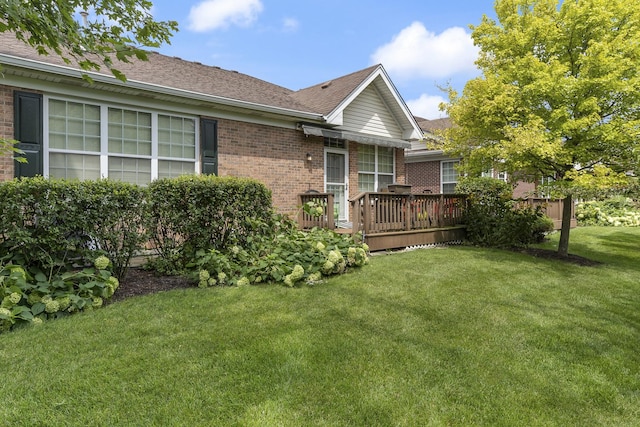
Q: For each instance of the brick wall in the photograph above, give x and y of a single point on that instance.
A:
(274, 156)
(6, 130)
(277, 158)
(424, 177)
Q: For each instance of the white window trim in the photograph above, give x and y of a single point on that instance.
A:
(491, 173)
(104, 136)
(376, 173)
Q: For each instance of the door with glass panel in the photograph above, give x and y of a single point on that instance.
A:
(336, 172)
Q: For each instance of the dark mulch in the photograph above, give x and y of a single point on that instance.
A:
(552, 254)
(141, 282)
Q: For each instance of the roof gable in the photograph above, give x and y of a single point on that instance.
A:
(334, 97)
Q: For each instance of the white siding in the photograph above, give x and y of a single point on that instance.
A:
(369, 114)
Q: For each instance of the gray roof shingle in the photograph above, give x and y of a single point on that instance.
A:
(177, 73)
(325, 97)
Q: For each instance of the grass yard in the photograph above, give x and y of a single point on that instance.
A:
(455, 336)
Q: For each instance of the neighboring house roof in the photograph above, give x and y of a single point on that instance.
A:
(193, 82)
(435, 124)
(419, 151)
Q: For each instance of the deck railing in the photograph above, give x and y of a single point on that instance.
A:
(324, 220)
(386, 212)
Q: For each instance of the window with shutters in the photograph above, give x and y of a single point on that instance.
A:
(89, 141)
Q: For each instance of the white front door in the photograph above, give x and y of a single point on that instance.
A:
(336, 180)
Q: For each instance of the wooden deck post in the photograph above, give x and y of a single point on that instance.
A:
(366, 214)
(408, 212)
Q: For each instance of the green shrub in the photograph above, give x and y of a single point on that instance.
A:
(54, 235)
(617, 211)
(288, 256)
(194, 213)
(54, 224)
(494, 219)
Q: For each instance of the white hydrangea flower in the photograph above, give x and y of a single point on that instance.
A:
(335, 256)
(101, 262)
(51, 306)
(15, 297)
(327, 268)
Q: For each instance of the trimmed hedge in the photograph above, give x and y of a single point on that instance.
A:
(56, 223)
(203, 212)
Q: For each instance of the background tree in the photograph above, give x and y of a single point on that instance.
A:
(115, 30)
(559, 96)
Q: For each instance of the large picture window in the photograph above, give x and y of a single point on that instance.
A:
(89, 141)
(376, 167)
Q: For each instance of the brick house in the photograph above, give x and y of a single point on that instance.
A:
(174, 117)
(432, 171)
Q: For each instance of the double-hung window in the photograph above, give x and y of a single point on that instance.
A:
(376, 167)
(90, 141)
(449, 176)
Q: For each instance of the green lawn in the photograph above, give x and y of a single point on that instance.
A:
(455, 336)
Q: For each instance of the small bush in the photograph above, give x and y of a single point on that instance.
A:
(613, 212)
(493, 219)
(54, 235)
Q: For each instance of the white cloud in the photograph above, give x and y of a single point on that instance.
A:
(416, 52)
(427, 107)
(215, 14)
(290, 24)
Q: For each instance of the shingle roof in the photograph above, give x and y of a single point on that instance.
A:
(176, 73)
(325, 97)
(435, 124)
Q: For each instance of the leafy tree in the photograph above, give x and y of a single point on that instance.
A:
(559, 96)
(118, 31)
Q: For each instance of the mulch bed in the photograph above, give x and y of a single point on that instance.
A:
(551, 254)
(141, 282)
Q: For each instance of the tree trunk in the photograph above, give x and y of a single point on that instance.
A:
(563, 245)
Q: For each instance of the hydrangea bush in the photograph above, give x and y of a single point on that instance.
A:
(289, 256)
(29, 297)
(613, 212)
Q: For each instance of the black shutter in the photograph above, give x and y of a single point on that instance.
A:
(27, 124)
(209, 146)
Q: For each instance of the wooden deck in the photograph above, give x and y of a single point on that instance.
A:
(399, 220)
(392, 220)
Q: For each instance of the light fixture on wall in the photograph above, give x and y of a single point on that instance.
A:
(309, 158)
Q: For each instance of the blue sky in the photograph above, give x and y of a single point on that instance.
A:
(299, 43)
